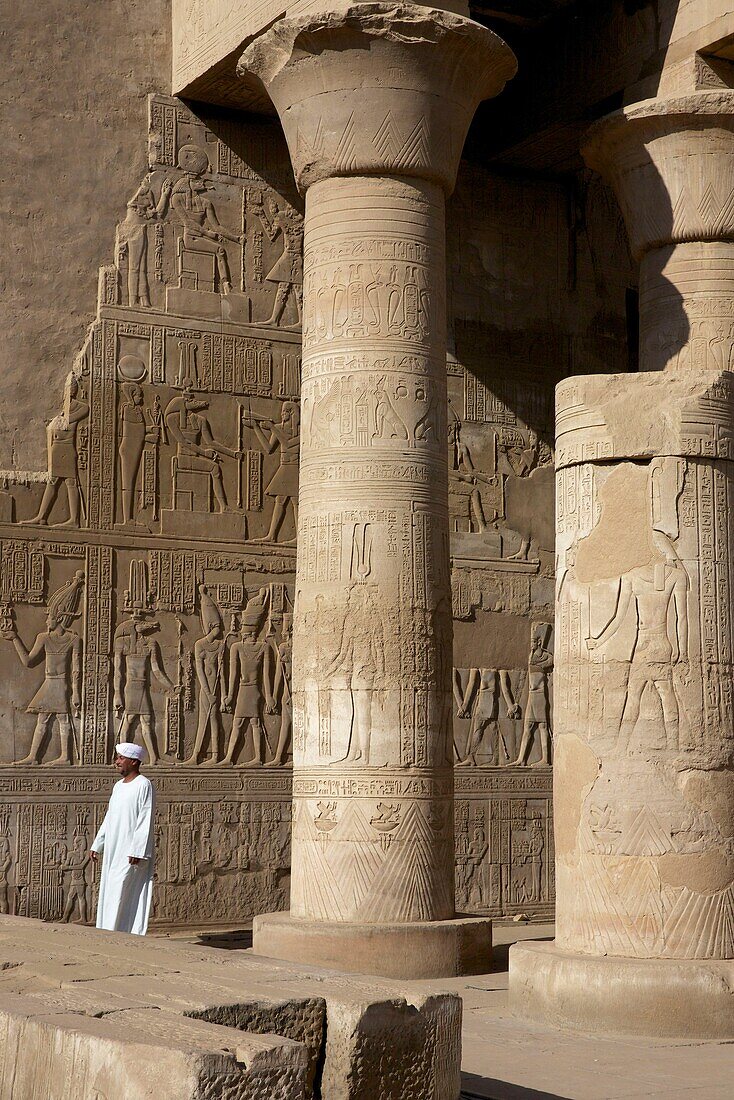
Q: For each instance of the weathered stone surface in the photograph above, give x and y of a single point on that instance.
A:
(136, 1054)
(73, 149)
(643, 710)
(395, 1050)
(498, 458)
(344, 1025)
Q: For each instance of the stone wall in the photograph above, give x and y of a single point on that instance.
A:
(74, 85)
(146, 573)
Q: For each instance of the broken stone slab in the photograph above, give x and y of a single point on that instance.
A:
(217, 999)
(401, 1049)
(136, 1054)
(364, 1038)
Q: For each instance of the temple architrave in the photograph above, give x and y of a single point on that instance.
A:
(366, 443)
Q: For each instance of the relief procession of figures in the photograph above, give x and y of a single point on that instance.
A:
(147, 575)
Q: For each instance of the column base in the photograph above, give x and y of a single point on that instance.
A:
(432, 949)
(664, 998)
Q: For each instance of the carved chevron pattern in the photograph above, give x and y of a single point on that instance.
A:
(345, 157)
(400, 150)
(701, 926)
(710, 213)
(348, 874)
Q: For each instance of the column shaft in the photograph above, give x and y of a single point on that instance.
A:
(644, 716)
(375, 101)
(687, 306)
(372, 645)
(644, 705)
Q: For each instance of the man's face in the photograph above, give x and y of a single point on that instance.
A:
(125, 766)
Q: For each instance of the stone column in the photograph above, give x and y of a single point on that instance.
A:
(644, 687)
(375, 101)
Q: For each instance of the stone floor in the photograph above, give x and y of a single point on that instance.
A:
(106, 977)
(504, 1059)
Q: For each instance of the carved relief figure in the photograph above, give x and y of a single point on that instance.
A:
(361, 656)
(281, 690)
(287, 271)
(534, 858)
(195, 211)
(476, 852)
(657, 597)
(132, 445)
(132, 237)
(388, 424)
(136, 655)
(61, 436)
(465, 497)
(76, 865)
(540, 664)
(523, 456)
(283, 486)
(209, 662)
(197, 449)
(485, 683)
(249, 673)
(6, 862)
(59, 695)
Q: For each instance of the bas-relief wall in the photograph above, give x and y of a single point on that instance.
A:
(146, 574)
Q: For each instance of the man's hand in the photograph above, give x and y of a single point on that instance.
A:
(134, 860)
(94, 856)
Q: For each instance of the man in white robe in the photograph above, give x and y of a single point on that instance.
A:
(126, 837)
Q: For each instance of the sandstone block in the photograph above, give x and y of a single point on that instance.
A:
(132, 1055)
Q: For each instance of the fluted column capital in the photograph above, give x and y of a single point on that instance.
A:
(671, 164)
(378, 89)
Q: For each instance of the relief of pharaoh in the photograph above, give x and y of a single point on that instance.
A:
(61, 436)
(283, 485)
(209, 662)
(249, 679)
(59, 696)
(287, 271)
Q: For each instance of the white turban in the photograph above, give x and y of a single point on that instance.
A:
(130, 750)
